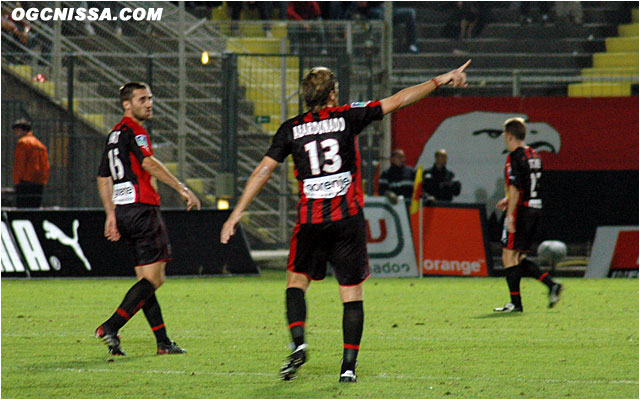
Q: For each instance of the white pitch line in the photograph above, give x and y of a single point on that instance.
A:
(382, 376)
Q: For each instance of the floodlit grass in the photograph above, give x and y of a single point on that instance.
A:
(429, 338)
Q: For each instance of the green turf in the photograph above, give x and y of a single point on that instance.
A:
(429, 338)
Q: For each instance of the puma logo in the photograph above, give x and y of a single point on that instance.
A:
(52, 232)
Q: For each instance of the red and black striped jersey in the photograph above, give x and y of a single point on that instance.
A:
(325, 153)
(523, 169)
(127, 145)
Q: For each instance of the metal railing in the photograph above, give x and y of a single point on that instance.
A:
(187, 127)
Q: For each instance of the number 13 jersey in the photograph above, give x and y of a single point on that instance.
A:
(128, 144)
(326, 159)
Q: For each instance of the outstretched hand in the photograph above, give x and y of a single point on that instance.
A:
(457, 77)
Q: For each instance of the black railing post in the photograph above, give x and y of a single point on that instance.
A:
(71, 176)
(226, 182)
(344, 77)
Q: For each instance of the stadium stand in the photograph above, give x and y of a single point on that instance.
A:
(504, 45)
(606, 45)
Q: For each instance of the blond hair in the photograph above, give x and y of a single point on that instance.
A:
(317, 86)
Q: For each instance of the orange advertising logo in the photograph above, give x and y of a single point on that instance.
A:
(625, 255)
(453, 241)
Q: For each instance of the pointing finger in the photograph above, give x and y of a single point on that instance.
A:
(465, 65)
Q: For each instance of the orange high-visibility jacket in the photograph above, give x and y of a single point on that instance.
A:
(31, 162)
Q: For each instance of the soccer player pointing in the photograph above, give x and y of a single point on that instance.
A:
(132, 206)
(330, 223)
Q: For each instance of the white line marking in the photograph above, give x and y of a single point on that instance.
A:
(382, 376)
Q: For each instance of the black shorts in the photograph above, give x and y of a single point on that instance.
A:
(142, 227)
(342, 243)
(526, 224)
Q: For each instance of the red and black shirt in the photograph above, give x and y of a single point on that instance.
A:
(523, 169)
(327, 160)
(128, 144)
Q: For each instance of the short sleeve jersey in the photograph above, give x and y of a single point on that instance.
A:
(326, 159)
(523, 169)
(127, 145)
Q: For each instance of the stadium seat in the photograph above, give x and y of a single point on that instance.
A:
(619, 60)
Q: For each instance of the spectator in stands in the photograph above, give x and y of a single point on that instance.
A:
(20, 31)
(569, 12)
(403, 15)
(30, 166)
(336, 10)
(544, 7)
(437, 182)
(282, 7)
(264, 11)
(307, 11)
(398, 179)
(468, 15)
(115, 8)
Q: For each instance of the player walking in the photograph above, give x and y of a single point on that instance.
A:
(132, 206)
(330, 223)
(522, 173)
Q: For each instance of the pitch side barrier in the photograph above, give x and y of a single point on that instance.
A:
(451, 239)
(614, 253)
(453, 236)
(71, 243)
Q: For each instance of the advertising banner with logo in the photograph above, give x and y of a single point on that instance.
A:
(588, 147)
(389, 240)
(614, 253)
(71, 243)
(454, 240)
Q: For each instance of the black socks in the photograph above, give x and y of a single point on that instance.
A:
(296, 314)
(533, 270)
(514, 274)
(153, 313)
(352, 323)
(133, 301)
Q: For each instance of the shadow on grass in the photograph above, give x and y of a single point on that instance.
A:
(98, 363)
(296, 390)
(499, 315)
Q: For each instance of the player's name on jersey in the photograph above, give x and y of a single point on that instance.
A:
(319, 127)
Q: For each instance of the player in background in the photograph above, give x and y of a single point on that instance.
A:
(522, 173)
(132, 206)
(330, 222)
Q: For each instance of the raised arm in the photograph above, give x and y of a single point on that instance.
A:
(256, 181)
(413, 94)
(154, 167)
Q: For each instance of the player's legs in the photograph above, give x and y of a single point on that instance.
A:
(351, 264)
(132, 302)
(143, 228)
(513, 244)
(532, 269)
(155, 273)
(297, 285)
(513, 269)
(352, 325)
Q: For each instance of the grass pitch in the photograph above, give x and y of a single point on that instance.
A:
(429, 338)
